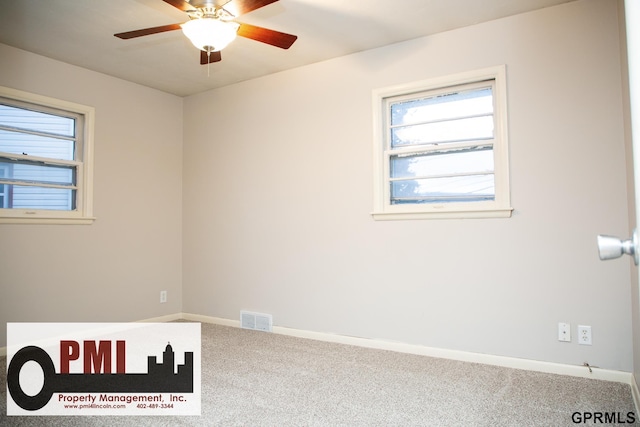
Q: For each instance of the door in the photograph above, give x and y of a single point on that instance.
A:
(611, 247)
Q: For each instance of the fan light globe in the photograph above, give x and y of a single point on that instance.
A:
(210, 34)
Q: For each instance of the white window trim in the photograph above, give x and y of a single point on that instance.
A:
(83, 214)
(4, 169)
(499, 208)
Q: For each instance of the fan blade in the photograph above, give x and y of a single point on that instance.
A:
(265, 35)
(147, 31)
(180, 4)
(240, 7)
(208, 59)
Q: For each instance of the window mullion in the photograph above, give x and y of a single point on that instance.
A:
(447, 119)
(37, 160)
(32, 183)
(447, 175)
(449, 146)
(36, 133)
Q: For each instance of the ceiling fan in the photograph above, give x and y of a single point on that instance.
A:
(211, 27)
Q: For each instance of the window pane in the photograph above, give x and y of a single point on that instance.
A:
(473, 160)
(36, 121)
(475, 128)
(443, 107)
(33, 145)
(62, 175)
(444, 190)
(42, 198)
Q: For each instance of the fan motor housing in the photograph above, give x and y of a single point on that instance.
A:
(202, 4)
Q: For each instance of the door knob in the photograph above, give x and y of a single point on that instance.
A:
(610, 247)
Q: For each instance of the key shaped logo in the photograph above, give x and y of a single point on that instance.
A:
(97, 378)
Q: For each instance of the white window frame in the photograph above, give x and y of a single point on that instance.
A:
(83, 212)
(3, 188)
(500, 207)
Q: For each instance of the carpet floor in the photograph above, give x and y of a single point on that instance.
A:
(254, 378)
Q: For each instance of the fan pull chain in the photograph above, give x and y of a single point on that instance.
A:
(208, 61)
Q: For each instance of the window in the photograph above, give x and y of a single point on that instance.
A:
(441, 148)
(45, 159)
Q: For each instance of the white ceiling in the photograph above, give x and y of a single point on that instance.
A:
(80, 32)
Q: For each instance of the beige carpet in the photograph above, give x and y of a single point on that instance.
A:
(259, 379)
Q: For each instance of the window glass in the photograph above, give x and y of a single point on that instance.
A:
(446, 106)
(36, 145)
(472, 128)
(23, 118)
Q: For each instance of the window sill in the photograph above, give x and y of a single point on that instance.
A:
(457, 214)
(48, 220)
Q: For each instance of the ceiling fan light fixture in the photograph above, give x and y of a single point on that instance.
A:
(210, 34)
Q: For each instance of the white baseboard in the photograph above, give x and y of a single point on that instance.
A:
(162, 319)
(209, 319)
(463, 356)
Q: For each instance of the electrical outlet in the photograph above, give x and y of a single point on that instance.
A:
(564, 332)
(584, 335)
(163, 296)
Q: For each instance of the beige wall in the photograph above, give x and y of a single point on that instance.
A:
(278, 192)
(114, 269)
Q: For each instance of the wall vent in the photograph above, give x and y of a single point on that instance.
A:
(256, 321)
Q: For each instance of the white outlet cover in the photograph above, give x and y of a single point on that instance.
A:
(584, 335)
(564, 332)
